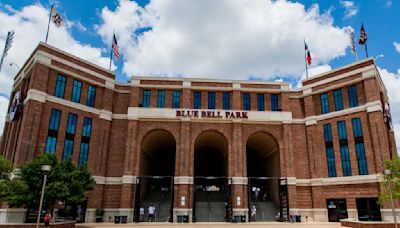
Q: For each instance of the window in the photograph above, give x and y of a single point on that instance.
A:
(324, 103)
(344, 149)
(197, 100)
(368, 209)
(274, 102)
(85, 140)
(211, 100)
(146, 98)
(176, 99)
(260, 102)
(69, 136)
(161, 99)
(91, 95)
(330, 155)
(337, 94)
(360, 149)
(226, 100)
(76, 91)
(54, 123)
(353, 98)
(60, 86)
(246, 101)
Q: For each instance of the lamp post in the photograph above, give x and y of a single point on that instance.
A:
(389, 172)
(379, 56)
(46, 169)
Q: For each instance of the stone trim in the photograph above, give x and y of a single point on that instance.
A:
(183, 180)
(239, 180)
(360, 179)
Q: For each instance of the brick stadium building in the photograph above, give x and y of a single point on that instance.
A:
(205, 149)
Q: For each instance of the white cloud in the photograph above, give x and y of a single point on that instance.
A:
(397, 46)
(30, 24)
(392, 84)
(350, 9)
(3, 112)
(234, 39)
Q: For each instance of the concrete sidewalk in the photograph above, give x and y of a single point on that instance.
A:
(217, 225)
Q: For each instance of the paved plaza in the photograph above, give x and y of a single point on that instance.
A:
(211, 225)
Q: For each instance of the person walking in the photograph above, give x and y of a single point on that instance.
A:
(141, 214)
(253, 213)
(47, 219)
(151, 210)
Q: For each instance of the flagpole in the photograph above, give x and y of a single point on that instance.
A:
(111, 55)
(366, 49)
(305, 60)
(48, 25)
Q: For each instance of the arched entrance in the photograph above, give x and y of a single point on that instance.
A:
(155, 182)
(262, 154)
(211, 186)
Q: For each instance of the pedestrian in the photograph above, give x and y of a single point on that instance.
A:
(257, 192)
(253, 213)
(151, 211)
(141, 214)
(47, 219)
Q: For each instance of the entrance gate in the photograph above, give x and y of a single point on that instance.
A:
(269, 195)
(157, 191)
(212, 199)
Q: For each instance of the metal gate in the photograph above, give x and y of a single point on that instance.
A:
(268, 199)
(157, 191)
(212, 199)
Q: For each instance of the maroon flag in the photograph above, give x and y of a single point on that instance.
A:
(363, 36)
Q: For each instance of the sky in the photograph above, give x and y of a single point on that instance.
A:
(225, 39)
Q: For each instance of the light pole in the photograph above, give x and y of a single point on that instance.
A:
(14, 64)
(46, 169)
(379, 56)
(388, 172)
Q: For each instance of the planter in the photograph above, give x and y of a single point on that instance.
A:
(99, 219)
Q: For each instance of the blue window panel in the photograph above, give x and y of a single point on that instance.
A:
(361, 159)
(87, 127)
(246, 101)
(324, 103)
(211, 100)
(83, 156)
(60, 86)
(344, 149)
(71, 124)
(76, 91)
(357, 130)
(353, 98)
(337, 95)
(51, 144)
(360, 149)
(330, 154)
(55, 120)
(226, 100)
(146, 98)
(346, 166)
(68, 148)
(161, 99)
(330, 157)
(197, 100)
(260, 102)
(176, 99)
(274, 102)
(342, 130)
(91, 95)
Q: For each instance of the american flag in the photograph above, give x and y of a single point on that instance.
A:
(363, 36)
(115, 47)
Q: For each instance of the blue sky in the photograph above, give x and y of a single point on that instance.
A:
(225, 39)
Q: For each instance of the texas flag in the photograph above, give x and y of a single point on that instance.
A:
(308, 55)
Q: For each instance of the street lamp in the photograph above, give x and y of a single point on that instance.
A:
(14, 64)
(388, 172)
(45, 169)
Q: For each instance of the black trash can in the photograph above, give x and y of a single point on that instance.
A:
(236, 219)
(183, 218)
(243, 218)
(117, 219)
(298, 218)
(124, 219)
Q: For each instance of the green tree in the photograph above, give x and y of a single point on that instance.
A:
(11, 189)
(394, 178)
(65, 183)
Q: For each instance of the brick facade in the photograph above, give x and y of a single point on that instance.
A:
(293, 136)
